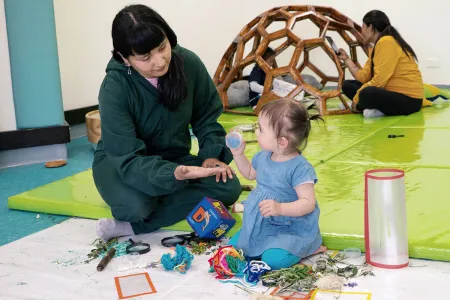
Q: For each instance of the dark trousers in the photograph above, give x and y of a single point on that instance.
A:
(147, 213)
(389, 103)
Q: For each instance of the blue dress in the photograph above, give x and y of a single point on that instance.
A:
(277, 180)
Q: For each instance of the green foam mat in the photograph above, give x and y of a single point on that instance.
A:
(341, 197)
(341, 150)
(427, 147)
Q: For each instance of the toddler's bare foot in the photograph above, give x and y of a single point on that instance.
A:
(321, 249)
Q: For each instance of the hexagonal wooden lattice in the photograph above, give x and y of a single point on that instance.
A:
(258, 35)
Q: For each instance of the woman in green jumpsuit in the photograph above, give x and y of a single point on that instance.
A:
(153, 90)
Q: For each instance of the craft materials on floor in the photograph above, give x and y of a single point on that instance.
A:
(292, 295)
(180, 262)
(230, 265)
(137, 247)
(106, 259)
(330, 282)
(134, 285)
(102, 247)
(329, 272)
(203, 247)
(293, 279)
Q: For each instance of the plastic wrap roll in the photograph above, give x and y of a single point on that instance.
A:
(386, 235)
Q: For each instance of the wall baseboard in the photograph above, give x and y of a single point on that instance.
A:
(78, 116)
(32, 155)
(35, 137)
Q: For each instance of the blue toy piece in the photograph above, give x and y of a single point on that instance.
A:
(234, 140)
(210, 219)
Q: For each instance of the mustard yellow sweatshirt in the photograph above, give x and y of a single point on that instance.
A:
(393, 70)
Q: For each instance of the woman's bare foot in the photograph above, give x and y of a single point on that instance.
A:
(321, 249)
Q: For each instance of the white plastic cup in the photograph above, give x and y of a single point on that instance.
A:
(385, 224)
(234, 140)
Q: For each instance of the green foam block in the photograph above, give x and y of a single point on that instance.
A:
(77, 196)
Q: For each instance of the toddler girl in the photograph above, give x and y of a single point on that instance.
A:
(281, 215)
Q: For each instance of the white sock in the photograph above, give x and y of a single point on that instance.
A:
(109, 228)
(372, 113)
(342, 106)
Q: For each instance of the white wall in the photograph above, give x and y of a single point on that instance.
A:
(208, 26)
(7, 113)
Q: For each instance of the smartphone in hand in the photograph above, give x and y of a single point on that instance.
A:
(333, 45)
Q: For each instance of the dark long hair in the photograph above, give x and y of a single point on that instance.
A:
(380, 22)
(138, 29)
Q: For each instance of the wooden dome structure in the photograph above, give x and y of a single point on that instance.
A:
(253, 40)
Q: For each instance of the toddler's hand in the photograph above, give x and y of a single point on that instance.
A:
(269, 208)
(240, 150)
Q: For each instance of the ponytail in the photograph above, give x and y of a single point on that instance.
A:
(391, 31)
(380, 22)
(316, 117)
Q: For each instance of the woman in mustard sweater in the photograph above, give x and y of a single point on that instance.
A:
(390, 82)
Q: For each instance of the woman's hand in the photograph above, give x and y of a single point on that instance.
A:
(215, 163)
(189, 172)
(269, 208)
(343, 55)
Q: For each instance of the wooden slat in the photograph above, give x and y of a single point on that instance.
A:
(282, 47)
(247, 28)
(305, 61)
(296, 56)
(323, 31)
(265, 98)
(292, 36)
(277, 35)
(262, 47)
(280, 71)
(247, 61)
(261, 30)
(263, 64)
(346, 37)
(296, 76)
(285, 14)
(295, 92)
(219, 71)
(239, 55)
(316, 70)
